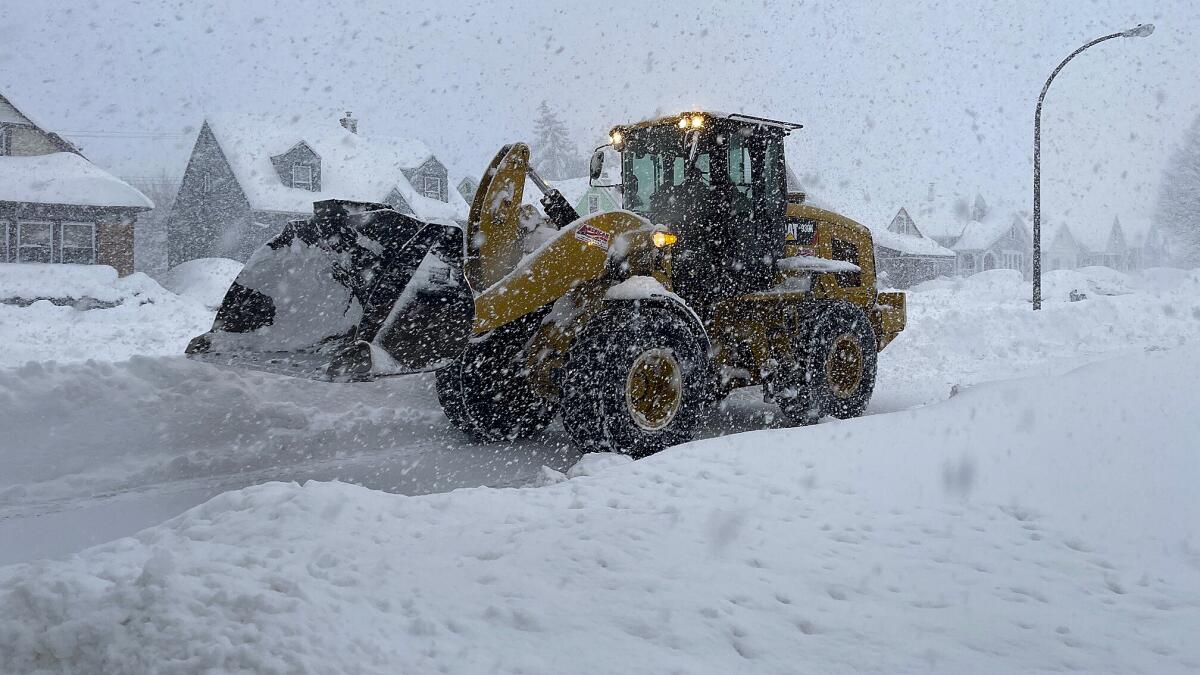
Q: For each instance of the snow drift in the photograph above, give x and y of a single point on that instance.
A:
(1040, 524)
(71, 313)
(204, 280)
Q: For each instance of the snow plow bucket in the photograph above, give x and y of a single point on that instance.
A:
(357, 291)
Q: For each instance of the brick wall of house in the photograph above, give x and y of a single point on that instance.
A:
(114, 244)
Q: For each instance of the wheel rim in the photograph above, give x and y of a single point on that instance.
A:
(654, 389)
(844, 366)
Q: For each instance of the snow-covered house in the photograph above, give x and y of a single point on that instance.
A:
(579, 193)
(1061, 250)
(905, 256)
(55, 205)
(587, 198)
(994, 244)
(982, 238)
(248, 176)
(1114, 251)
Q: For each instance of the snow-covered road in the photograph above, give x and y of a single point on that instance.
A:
(118, 446)
(1037, 524)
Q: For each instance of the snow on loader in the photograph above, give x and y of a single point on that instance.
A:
(627, 323)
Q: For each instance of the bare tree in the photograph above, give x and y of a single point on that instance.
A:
(1178, 212)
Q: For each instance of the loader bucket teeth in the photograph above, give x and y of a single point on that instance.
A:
(358, 290)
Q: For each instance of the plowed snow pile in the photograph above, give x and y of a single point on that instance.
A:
(70, 313)
(1029, 525)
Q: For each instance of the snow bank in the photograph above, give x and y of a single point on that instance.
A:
(26, 282)
(43, 315)
(204, 280)
(982, 328)
(1030, 525)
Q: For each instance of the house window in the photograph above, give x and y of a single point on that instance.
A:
(35, 241)
(302, 176)
(206, 182)
(4, 241)
(5, 141)
(431, 186)
(593, 203)
(78, 243)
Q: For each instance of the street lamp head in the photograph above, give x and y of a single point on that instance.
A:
(1141, 30)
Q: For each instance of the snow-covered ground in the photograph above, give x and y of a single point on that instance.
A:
(1041, 517)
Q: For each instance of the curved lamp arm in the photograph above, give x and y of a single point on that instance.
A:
(1141, 30)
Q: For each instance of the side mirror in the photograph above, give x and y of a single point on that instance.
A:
(596, 165)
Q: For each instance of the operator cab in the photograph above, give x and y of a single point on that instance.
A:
(719, 183)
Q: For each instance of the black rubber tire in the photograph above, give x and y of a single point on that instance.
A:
(594, 410)
(485, 392)
(811, 395)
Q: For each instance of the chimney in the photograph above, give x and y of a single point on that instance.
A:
(349, 122)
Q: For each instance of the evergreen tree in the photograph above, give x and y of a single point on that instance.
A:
(554, 157)
(1178, 212)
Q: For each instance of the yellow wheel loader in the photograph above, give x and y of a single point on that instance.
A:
(627, 323)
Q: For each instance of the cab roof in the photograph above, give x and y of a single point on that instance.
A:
(734, 117)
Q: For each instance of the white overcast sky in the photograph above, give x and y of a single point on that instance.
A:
(894, 95)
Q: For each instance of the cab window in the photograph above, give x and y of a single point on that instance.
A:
(659, 159)
(846, 252)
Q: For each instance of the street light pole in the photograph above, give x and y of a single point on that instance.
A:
(1141, 30)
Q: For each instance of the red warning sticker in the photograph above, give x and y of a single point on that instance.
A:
(592, 235)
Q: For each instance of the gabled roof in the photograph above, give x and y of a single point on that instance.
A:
(904, 224)
(1116, 238)
(1110, 240)
(902, 235)
(353, 166)
(1061, 235)
(65, 178)
(11, 114)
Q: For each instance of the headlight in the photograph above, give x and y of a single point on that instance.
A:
(662, 239)
(616, 137)
(697, 121)
(683, 122)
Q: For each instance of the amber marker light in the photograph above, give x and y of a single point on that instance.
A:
(663, 239)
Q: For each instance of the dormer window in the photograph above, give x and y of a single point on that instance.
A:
(432, 187)
(302, 176)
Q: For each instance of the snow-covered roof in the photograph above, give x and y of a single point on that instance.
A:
(353, 166)
(977, 235)
(909, 243)
(65, 178)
